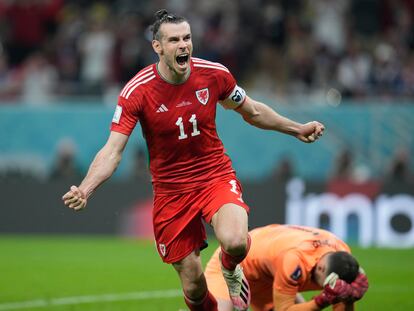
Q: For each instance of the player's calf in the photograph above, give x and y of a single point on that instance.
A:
(238, 287)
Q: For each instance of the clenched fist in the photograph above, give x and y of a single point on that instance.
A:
(310, 132)
(75, 199)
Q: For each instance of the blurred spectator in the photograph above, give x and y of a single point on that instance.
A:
(219, 42)
(67, 58)
(386, 73)
(354, 71)
(268, 77)
(399, 170)
(9, 80)
(329, 23)
(344, 165)
(348, 177)
(30, 22)
(284, 170)
(274, 28)
(407, 76)
(283, 49)
(20, 167)
(39, 79)
(65, 166)
(96, 49)
(325, 67)
(300, 49)
(347, 169)
(129, 51)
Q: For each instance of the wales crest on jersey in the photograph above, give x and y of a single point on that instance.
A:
(163, 249)
(202, 95)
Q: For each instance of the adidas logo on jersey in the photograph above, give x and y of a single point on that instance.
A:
(162, 108)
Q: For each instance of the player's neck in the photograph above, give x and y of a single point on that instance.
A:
(170, 75)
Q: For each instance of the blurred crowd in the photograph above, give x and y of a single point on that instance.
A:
(345, 169)
(282, 49)
(348, 172)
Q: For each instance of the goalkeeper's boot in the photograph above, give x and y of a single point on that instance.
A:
(238, 286)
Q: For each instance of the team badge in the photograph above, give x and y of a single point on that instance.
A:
(296, 274)
(202, 96)
(163, 249)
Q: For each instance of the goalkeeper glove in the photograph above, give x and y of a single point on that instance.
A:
(334, 290)
(359, 285)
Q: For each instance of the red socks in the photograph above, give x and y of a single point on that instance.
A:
(230, 262)
(209, 303)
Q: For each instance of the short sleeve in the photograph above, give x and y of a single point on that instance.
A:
(229, 88)
(289, 274)
(125, 116)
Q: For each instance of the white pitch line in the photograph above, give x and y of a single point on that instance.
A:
(42, 303)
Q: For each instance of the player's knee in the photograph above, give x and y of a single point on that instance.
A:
(235, 245)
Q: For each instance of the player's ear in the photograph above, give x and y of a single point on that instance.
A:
(156, 45)
(319, 272)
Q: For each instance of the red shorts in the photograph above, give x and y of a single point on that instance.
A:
(178, 218)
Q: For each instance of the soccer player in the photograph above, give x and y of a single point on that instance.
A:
(193, 179)
(285, 260)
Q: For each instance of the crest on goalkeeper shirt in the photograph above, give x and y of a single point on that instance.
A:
(296, 274)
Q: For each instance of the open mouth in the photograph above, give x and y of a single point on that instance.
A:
(182, 59)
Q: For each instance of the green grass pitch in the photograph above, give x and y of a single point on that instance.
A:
(85, 273)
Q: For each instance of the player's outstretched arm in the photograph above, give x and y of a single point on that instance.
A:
(264, 117)
(102, 167)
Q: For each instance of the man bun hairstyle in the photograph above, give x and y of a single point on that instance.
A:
(162, 16)
(343, 264)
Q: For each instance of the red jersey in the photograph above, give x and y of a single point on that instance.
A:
(178, 123)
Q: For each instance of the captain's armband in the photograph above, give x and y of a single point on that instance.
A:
(237, 96)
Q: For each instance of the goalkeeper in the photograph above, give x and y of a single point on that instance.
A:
(285, 260)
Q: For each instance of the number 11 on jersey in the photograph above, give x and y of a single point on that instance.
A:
(180, 124)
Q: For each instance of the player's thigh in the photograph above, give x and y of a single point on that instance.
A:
(226, 211)
(178, 227)
(219, 194)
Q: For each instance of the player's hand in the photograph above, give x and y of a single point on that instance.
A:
(335, 290)
(75, 199)
(310, 132)
(359, 285)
